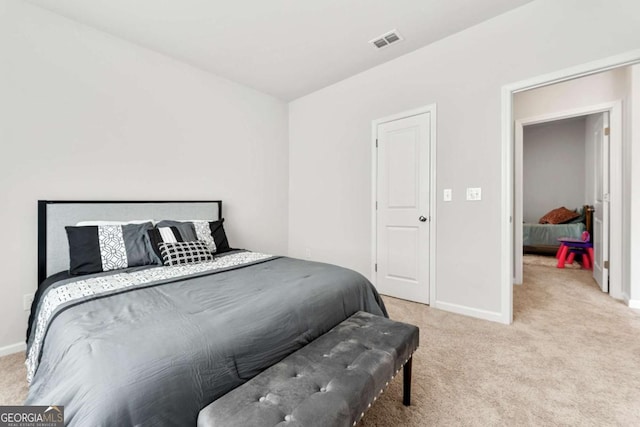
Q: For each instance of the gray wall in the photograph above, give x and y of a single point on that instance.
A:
(553, 167)
(84, 115)
(330, 138)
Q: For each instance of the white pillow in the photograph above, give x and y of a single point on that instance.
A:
(100, 222)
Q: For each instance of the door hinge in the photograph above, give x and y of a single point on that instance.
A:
(376, 205)
(606, 264)
(606, 131)
(377, 142)
(376, 268)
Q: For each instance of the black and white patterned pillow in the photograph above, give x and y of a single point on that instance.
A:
(93, 249)
(176, 253)
(159, 235)
(200, 230)
(210, 232)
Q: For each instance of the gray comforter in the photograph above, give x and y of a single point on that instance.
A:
(548, 234)
(158, 354)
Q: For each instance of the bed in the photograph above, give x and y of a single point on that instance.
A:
(543, 238)
(153, 345)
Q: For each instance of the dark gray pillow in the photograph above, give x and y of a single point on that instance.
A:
(200, 229)
(217, 242)
(187, 229)
(97, 248)
(165, 234)
(219, 236)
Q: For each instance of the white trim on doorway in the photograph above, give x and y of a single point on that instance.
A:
(432, 110)
(506, 238)
(615, 160)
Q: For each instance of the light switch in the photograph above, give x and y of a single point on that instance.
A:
(474, 194)
(447, 195)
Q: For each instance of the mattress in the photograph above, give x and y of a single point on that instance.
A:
(150, 346)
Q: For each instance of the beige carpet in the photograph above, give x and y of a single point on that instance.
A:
(572, 357)
(13, 383)
(547, 261)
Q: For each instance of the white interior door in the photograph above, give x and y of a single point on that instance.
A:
(518, 169)
(600, 236)
(403, 213)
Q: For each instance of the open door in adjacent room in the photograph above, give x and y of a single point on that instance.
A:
(599, 132)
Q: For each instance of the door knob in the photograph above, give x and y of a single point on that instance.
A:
(422, 218)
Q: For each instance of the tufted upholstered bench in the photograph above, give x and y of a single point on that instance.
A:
(330, 382)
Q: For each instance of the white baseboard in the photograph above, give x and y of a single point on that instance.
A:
(634, 303)
(469, 311)
(13, 348)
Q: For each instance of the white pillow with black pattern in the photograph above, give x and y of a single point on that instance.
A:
(179, 253)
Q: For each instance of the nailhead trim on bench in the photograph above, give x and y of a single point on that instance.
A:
(381, 391)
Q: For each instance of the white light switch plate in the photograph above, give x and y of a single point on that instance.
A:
(474, 194)
(447, 195)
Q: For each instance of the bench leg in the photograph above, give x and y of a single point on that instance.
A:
(406, 380)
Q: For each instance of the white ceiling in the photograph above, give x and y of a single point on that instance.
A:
(287, 48)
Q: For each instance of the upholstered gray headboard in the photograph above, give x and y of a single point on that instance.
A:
(54, 215)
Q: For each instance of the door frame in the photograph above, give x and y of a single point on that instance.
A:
(507, 161)
(614, 108)
(431, 109)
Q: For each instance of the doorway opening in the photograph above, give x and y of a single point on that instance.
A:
(618, 260)
(562, 176)
(565, 166)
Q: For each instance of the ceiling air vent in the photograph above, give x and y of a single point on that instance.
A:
(386, 39)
